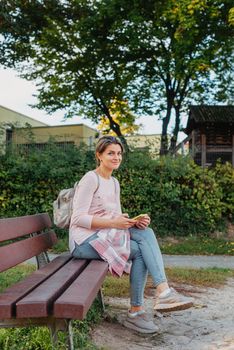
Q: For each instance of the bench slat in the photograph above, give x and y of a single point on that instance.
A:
(39, 302)
(77, 299)
(15, 253)
(20, 226)
(11, 295)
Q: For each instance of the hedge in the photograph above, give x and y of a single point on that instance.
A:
(181, 197)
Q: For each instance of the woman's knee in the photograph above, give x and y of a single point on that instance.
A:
(147, 233)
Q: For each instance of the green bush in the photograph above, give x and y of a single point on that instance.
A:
(30, 181)
(181, 197)
(224, 176)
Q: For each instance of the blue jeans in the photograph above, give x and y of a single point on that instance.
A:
(145, 255)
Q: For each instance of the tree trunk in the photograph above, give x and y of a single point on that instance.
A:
(164, 138)
(113, 125)
(116, 128)
(166, 120)
(176, 130)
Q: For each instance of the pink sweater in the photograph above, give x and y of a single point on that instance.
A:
(87, 203)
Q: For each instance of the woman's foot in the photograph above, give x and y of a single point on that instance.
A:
(172, 301)
(141, 322)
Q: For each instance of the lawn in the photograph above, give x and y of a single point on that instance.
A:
(212, 277)
(191, 245)
(194, 245)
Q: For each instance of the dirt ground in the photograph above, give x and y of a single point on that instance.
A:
(209, 325)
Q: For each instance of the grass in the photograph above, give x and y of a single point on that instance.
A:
(212, 277)
(14, 275)
(61, 246)
(193, 245)
(38, 338)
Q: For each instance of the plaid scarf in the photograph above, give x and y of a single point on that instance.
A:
(113, 245)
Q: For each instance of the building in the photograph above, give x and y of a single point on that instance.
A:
(149, 143)
(18, 129)
(10, 119)
(61, 135)
(210, 131)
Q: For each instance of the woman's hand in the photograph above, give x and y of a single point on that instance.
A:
(143, 222)
(123, 222)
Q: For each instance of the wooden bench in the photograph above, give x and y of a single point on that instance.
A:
(58, 291)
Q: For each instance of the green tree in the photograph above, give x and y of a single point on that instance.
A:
(66, 56)
(182, 52)
(158, 55)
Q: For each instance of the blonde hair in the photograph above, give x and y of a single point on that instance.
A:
(104, 142)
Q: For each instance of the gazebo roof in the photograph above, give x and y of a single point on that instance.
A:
(209, 114)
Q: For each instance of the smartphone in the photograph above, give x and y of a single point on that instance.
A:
(139, 216)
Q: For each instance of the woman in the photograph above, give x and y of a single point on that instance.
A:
(99, 230)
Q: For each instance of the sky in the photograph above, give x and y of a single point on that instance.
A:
(17, 94)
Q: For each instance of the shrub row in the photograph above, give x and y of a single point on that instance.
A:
(180, 197)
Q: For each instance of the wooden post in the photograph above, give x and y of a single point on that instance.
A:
(233, 151)
(203, 150)
(193, 144)
(182, 148)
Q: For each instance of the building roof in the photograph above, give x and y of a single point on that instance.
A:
(209, 114)
(8, 115)
(12, 115)
(64, 126)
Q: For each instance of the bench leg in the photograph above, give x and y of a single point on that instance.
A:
(64, 326)
(43, 258)
(70, 336)
(101, 299)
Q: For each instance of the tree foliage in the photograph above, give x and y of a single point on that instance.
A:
(182, 52)
(66, 56)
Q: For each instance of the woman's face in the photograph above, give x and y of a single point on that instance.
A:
(111, 158)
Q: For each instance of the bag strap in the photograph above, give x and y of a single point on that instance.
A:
(98, 180)
(114, 180)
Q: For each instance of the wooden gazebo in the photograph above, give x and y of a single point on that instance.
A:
(210, 131)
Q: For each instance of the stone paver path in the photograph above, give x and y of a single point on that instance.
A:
(198, 261)
(207, 326)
